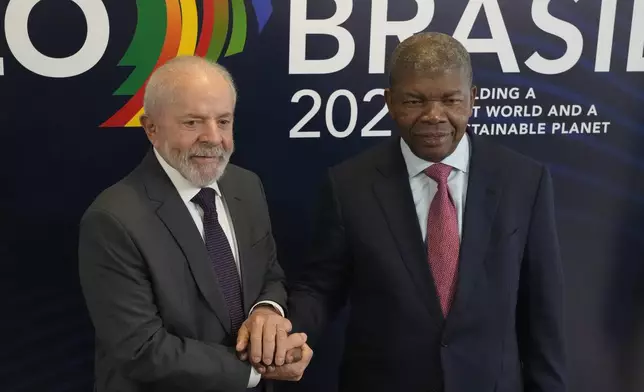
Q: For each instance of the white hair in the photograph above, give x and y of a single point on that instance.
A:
(163, 80)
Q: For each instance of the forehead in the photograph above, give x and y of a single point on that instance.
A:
(201, 94)
(452, 79)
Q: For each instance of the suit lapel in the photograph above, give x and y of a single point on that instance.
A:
(394, 195)
(176, 217)
(483, 195)
(242, 228)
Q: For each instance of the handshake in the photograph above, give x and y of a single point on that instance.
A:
(264, 341)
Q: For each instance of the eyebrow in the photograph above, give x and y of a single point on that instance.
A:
(194, 115)
(453, 92)
(421, 95)
(413, 94)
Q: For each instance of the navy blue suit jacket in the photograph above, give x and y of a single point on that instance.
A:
(504, 332)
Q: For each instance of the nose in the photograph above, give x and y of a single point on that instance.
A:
(433, 112)
(210, 132)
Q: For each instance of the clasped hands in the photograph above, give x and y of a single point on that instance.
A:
(264, 340)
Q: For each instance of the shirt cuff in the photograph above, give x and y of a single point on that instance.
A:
(255, 378)
(271, 303)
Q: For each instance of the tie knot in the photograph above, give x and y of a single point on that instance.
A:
(206, 199)
(439, 172)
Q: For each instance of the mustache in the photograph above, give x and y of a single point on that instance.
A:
(208, 150)
(431, 132)
(436, 129)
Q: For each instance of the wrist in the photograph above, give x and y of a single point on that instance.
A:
(265, 308)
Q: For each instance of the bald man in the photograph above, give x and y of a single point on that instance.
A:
(443, 243)
(178, 255)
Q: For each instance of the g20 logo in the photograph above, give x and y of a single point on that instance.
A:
(165, 29)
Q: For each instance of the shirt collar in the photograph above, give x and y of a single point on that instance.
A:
(459, 159)
(186, 189)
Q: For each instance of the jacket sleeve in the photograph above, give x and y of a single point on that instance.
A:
(274, 289)
(321, 288)
(540, 321)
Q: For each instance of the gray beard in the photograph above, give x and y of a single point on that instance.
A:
(199, 175)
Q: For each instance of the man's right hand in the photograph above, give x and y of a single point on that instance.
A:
(265, 343)
(263, 336)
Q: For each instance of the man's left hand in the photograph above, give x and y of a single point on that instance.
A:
(290, 372)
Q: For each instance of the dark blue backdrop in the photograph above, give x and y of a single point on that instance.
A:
(55, 158)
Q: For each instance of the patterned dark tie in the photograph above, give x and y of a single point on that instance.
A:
(221, 256)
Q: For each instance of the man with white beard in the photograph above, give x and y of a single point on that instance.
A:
(178, 255)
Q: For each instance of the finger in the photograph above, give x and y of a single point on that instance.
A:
(296, 355)
(260, 369)
(271, 369)
(268, 349)
(257, 330)
(296, 340)
(307, 353)
(281, 345)
(243, 355)
(242, 338)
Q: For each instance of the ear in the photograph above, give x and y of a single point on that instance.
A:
(389, 100)
(149, 127)
(473, 93)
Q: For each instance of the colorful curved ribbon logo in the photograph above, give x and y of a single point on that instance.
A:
(169, 28)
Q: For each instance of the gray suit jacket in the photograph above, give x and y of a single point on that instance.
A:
(161, 321)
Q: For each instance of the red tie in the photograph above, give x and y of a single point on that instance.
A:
(442, 237)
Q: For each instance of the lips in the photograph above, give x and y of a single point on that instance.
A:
(432, 134)
(205, 158)
(431, 131)
(433, 137)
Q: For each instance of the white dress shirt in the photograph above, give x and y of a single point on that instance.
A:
(423, 188)
(187, 191)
